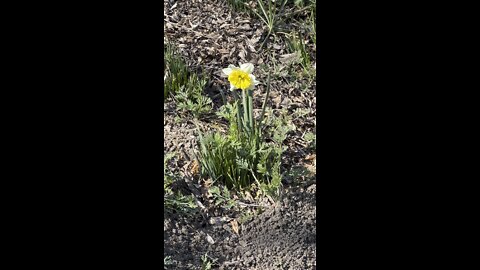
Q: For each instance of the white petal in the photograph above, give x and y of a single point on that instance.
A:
(227, 71)
(255, 82)
(248, 67)
(232, 87)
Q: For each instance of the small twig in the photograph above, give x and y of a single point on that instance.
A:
(265, 40)
(253, 205)
(231, 263)
(301, 144)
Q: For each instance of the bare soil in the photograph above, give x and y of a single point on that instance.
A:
(282, 237)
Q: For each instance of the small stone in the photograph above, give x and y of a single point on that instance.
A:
(210, 239)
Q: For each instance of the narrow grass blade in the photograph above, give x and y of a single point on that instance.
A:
(264, 106)
(250, 111)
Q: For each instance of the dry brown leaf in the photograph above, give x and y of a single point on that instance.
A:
(290, 58)
(277, 101)
(248, 196)
(250, 46)
(241, 54)
(195, 168)
(245, 27)
(224, 25)
(208, 183)
(234, 226)
(311, 168)
(270, 199)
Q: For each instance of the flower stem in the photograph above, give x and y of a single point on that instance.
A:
(246, 118)
(239, 113)
(250, 111)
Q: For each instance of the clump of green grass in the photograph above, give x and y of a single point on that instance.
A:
(269, 13)
(184, 86)
(175, 71)
(296, 44)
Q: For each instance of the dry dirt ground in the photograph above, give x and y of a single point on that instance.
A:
(280, 235)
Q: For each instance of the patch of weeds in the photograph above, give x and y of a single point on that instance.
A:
(299, 3)
(178, 119)
(227, 111)
(284, 121)
(237, 162)
(300, 8)
(277, 15)
(190, 97)
(245, 217)
(186, 87)
(222, 197)
(175, 201)
(311, 140)
(179, 202)
(208, 262)
(301, 112)
(300, 175)
(297, 172)
(175, 71)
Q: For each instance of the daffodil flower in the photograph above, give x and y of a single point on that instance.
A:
(241, 78)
